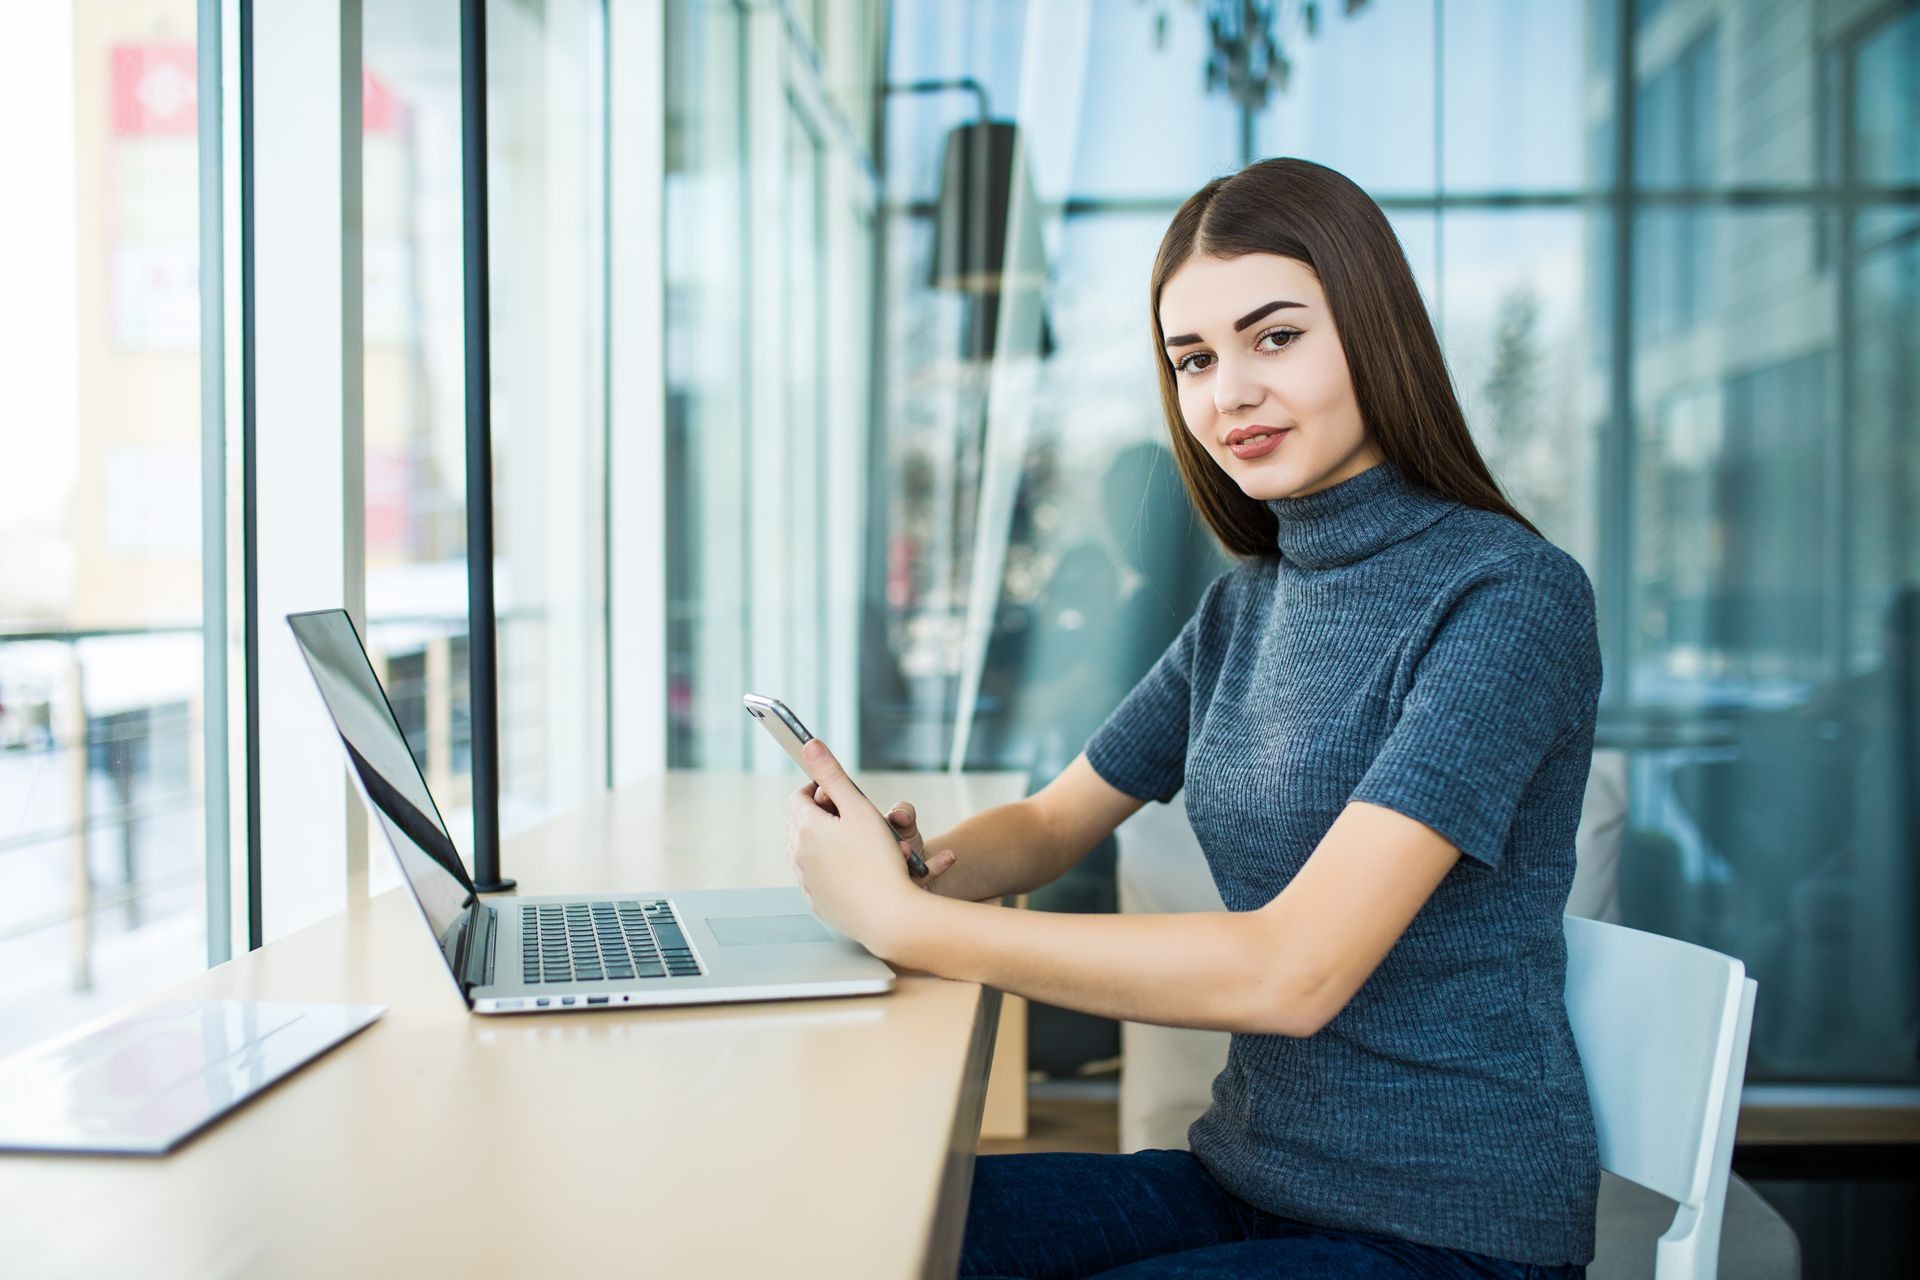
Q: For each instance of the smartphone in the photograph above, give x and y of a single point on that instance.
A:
(778, 720)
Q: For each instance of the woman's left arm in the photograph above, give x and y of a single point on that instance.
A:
(1284, 969)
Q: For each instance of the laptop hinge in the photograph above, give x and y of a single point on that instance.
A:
(474, 951)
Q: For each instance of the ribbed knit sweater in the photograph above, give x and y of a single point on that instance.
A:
(1441, 661)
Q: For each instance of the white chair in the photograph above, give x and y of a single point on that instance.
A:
(1662, 1028)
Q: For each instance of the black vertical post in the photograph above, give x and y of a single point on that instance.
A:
(1617, 451)
(250, 490)
(211, 74)
(605, 108)
(482, 662)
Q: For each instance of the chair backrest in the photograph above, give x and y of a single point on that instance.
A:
(1596, 845)
(1662, 1030)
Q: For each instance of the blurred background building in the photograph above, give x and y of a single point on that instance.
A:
(911, 475)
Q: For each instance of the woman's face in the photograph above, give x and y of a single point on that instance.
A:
(1263, 381)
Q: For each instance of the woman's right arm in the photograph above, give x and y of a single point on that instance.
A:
(1015, 848)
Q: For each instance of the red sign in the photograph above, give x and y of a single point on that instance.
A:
(380, 107)
(154, 90)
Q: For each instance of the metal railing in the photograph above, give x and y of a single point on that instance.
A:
(80, 745)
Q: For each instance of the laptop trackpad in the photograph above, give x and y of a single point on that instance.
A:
(760, 931)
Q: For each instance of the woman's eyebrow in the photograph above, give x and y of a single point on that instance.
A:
(1252, 317)
(1259, 313)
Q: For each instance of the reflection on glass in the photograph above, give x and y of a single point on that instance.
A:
(803, 379)
(1333, 109)
(1191, 135)
(1512, 96)
(1782, 832)
(1418, 230)
(1514, 302)
(946, 43)
(415, 390)
(546, 125)
(1886, 107)
(705, 269)
(769, 210)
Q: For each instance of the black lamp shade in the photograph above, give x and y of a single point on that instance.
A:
(975, 249)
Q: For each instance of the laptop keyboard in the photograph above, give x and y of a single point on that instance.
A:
(603, 941)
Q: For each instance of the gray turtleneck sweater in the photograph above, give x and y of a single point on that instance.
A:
(1441, 661)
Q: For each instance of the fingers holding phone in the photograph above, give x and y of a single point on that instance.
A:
(778, 720)
(906, 829)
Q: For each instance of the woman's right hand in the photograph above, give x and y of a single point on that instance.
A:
(906, 832)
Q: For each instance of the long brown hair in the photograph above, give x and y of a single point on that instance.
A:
(1307, 212)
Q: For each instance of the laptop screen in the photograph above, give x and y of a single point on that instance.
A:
(387, 770)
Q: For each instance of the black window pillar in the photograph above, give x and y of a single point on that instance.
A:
(482, 661)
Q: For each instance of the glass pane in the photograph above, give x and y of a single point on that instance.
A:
(1106, 559)
(102, 844)
(1676, 118)
(1418, 231)
(546, 122)
(1769, 643)
(1333, 109)
(930, 44)
(415, 363)
(1730, 93)
(705, 267)
(1516, 303)
(1876, 697)
(770, 209)
(1192, 134)
(1884, 454)
(1887, 103)
(1603, 34)
(1645, 10)
(804, 359)
(931, 402)
(1513, 91)
(548, 362)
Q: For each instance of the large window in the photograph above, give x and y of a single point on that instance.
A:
(102, 706)
(137, 762)
(547, 179)
(769, 198)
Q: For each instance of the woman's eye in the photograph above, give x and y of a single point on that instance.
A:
(1271, 340)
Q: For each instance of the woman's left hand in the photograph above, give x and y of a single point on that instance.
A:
(847, 858)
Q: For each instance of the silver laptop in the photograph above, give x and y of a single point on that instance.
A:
(545, 955)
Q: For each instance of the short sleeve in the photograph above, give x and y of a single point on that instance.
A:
(1142, 747)
(1509, 673)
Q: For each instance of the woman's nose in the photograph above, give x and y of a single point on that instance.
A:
(1233, 391)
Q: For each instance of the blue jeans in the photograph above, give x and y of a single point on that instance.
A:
(1161, 1214)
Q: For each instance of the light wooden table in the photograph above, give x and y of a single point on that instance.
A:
(801, 1138)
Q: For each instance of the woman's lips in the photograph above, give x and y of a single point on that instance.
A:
(1258, 444)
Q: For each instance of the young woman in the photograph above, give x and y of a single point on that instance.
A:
(1383, 720)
